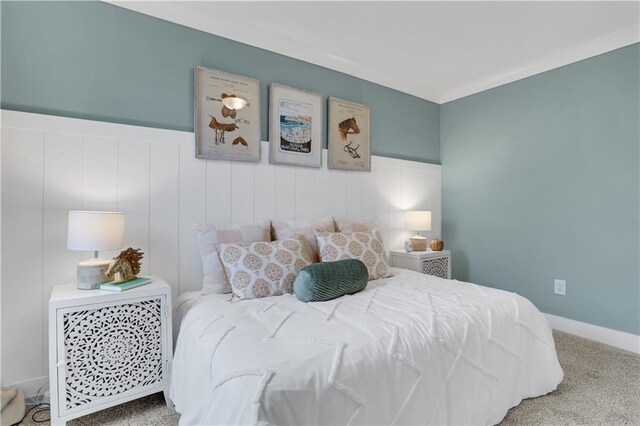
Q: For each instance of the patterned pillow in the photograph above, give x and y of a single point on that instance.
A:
(344, 224)
(288, 228)
(263, 269)
(209, 235)
(366, 246)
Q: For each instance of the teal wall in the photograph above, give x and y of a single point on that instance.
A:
(541, 181)
(96, 61)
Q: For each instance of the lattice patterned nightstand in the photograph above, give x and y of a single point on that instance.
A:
(106, 348)
(436, 263)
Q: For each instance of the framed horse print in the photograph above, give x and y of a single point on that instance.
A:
(349, 136)
(295, 126)
(226, 115)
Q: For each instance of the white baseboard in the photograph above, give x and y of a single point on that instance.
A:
(30, 387)
(608, 336)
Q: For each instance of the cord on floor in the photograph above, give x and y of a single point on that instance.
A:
(42, 407)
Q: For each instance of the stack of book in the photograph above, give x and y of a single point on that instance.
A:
(126, 285)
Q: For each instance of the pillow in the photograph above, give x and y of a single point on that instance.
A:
(263, 269)
(344, 224)
(366, 246)
(288, 228)
(320, 282)
(209, 235)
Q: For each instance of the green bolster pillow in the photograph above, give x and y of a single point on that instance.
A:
(324, 281)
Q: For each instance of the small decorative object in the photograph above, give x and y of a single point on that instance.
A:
(349, 137)
(295, 122)
(418, 221)
(408, 247)
(94, 231)
(437, 245)
(227, 116)
(126, 265)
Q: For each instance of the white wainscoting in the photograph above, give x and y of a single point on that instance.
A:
(51, 165)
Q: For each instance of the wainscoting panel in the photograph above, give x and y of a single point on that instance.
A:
(193, 211)
(22, 254)
(51, 165)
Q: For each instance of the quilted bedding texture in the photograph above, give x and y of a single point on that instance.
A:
(409, 349)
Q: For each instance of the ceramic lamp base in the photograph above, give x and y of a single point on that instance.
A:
(418, 243)
(91, 273)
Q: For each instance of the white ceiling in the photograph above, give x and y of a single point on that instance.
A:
(438, 51)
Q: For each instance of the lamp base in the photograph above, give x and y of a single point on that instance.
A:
(419, 243)
(91, 273)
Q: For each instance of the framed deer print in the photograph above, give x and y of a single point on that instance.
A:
(349, 136)
(227, 116)
(295, 123)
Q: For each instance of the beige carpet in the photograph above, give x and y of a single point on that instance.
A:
(601, 387)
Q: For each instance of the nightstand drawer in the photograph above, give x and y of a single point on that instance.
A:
(438, 266)
(436, 263)
(110, 351)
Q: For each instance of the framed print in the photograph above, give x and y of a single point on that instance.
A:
(227, 116)
(295, 126)
(349, 136)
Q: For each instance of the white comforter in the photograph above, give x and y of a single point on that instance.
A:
(410, 349)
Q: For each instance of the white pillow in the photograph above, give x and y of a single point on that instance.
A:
(215, 280)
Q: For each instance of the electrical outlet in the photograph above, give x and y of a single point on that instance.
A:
(560, 287)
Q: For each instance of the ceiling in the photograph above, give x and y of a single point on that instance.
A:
(438, 51)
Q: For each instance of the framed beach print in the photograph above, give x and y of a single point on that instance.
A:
(295, 126)
(227, 116)
(349, 136)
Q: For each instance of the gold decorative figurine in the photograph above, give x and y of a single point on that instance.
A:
(127, 265)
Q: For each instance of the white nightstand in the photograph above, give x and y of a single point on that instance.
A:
(106, 348)
(429, 262)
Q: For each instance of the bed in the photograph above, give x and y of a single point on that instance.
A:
(409, 349)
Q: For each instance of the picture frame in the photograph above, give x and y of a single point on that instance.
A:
(349, 135)
(221, 132)
(295, 126)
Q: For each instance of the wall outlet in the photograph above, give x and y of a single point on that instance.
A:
(560, 287)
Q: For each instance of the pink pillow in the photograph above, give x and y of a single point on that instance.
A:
(288, 228)
(344, 224)
(215, 280)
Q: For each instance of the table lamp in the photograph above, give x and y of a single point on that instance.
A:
(418, 220)
(94, 231)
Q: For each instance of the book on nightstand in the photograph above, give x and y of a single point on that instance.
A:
(127, 285)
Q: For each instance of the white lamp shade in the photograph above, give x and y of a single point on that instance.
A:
(95, 231)
(418, 220)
